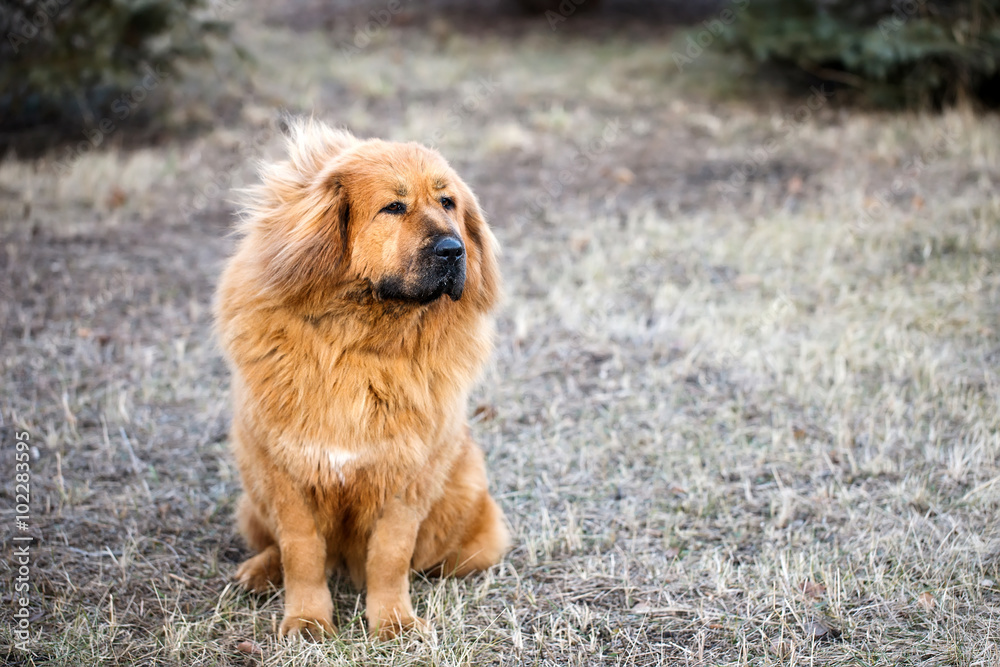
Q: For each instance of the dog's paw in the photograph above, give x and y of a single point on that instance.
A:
(394, 625)
(261, 572)
(315, 629)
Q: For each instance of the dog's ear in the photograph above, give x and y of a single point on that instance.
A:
(482, 284)
(312, 253)
(301, 230)
(298, 217)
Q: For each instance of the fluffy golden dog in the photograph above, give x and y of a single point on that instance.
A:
(355, 315)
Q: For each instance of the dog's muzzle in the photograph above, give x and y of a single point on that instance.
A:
(449, 258)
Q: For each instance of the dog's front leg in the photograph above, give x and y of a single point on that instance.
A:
(308, 605)
(390, 552)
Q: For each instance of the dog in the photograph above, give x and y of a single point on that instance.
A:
(356, 315)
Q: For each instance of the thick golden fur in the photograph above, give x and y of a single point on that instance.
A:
(349, 424)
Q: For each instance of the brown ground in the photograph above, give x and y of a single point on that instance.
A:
(732, 422)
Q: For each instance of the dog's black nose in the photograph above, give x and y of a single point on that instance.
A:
(449, 248)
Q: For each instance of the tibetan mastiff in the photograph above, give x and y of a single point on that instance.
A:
(356, 315)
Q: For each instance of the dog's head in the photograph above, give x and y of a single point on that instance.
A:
(407, 222)
(345, 218)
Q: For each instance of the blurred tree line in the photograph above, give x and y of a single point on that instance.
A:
(65, 62)
(70, 61)
(893, 53)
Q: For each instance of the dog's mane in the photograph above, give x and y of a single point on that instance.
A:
(294, 227)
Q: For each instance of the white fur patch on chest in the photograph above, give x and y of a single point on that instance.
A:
(334, 463)
(340, 463)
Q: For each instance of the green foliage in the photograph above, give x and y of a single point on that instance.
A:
(895, 53)
(60, 60)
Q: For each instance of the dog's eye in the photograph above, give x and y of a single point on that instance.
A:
(395, 208)
(448, 203)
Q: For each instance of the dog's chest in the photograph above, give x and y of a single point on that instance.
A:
(323, 464)
(332, 464)
(368, 468)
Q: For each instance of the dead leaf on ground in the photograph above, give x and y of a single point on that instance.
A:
(813, 590)
(819, 630)
(249, 647)
(579, 242)
(116, 198)
(926, 601)
(782, 648)
(484, 412)
(100, 336)
(623, 175)
(746, 280)
(870, 203)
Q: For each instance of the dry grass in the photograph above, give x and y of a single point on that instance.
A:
(719, 422)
